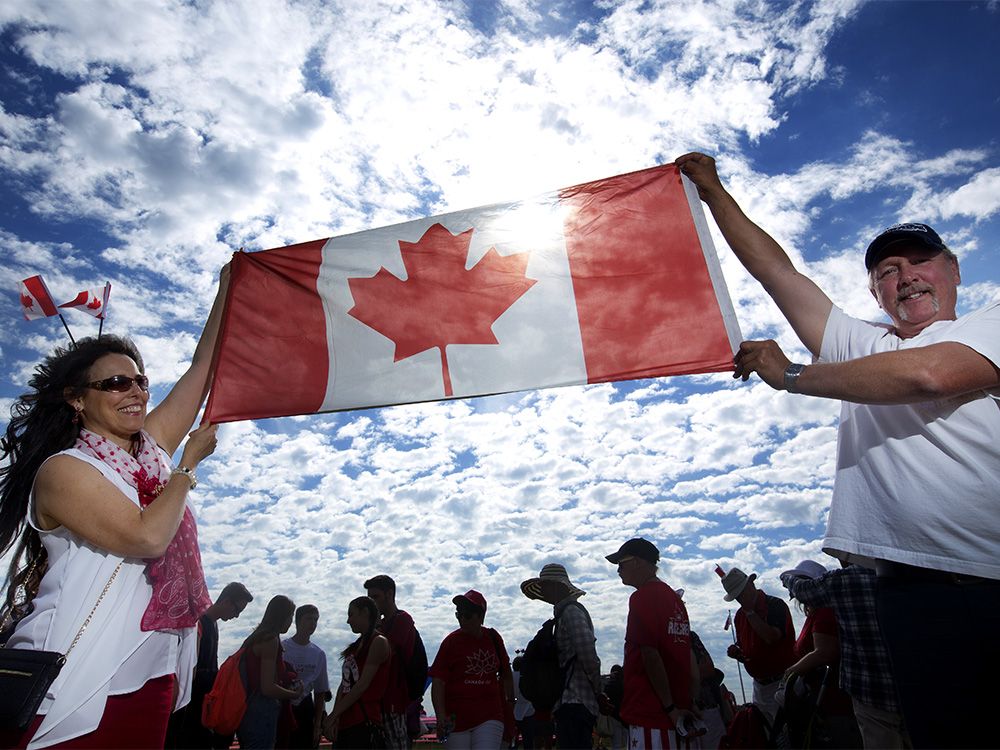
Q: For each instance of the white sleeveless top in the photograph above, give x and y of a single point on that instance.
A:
(113, 657)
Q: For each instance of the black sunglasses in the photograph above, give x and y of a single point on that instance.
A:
(120, 383)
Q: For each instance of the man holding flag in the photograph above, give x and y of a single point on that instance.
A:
(918, 471)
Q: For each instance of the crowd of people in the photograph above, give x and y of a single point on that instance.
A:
(106, 571)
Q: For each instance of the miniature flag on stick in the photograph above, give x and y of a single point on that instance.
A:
(36, 301)
(729, 621)
(91, 302)
(609, 280)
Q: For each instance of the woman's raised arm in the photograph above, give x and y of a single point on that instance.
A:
(170, 421)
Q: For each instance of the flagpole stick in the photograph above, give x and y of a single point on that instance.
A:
(739, 669)
(73, 340)
(100, 329)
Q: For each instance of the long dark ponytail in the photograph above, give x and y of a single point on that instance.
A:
(277, 613)
(364, 602)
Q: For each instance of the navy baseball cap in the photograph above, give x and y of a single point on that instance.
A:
(920, 234)
(637, 547)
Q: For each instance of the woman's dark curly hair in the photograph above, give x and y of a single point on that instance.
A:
(41, 425)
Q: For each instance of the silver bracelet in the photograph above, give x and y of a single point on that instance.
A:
(189, 473)
(792, 373)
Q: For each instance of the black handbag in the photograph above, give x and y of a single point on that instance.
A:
(25, 675)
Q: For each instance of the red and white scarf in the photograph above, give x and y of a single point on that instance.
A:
(180, 595)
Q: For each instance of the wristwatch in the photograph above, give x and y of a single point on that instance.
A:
(189, 473)
(792, 373)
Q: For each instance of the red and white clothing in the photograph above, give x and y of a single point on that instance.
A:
(647, 738)
(470, 667)
(114, 656)
(656, 618)
(370, 706)
(129, 721)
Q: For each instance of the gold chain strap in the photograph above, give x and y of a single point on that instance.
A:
(96, 605)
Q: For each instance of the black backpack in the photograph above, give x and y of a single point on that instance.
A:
(542, 680)
(415, 670)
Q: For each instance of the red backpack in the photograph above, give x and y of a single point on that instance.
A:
(748, 730)
(225, 704)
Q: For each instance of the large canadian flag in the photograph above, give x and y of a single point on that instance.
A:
(609, 280)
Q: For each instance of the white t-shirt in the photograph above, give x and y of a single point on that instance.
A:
(113, 656)
(309, 663)
(919, 483)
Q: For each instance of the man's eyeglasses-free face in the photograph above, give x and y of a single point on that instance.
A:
(120, 383)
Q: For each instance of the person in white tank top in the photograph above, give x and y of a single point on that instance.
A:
(89, 503)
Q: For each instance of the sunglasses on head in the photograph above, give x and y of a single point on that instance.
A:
(120, 383)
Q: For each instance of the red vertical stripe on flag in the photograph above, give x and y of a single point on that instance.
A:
(272, 347)
(646, 303)
(37, 288)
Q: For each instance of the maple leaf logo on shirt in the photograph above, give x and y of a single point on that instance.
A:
(440, 302)
(481, 662)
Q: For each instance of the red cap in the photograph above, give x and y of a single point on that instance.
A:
(473, 597)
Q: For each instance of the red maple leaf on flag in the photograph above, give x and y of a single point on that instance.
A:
(94, 304)
(440, 302)
(27, 302)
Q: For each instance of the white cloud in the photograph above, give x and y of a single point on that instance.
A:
(978, 198)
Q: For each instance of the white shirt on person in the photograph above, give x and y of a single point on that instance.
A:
(918, 484)
(113, 656)
(309, 663)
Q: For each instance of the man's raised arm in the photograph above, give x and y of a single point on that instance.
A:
(804, 305)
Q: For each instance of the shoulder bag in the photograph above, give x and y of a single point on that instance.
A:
(25, 674)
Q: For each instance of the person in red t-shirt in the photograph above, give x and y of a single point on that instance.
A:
(356, 718)
(657, 704)
(398, 627)
(765, 637)
(818, 647)
(471, 680)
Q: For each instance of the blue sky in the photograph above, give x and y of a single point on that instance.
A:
(143, 142)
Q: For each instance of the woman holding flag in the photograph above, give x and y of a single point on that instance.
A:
(106, 569)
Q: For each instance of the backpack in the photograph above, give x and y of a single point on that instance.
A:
(415, 669)
(224, 705)
(542, 678)
(749, 729)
